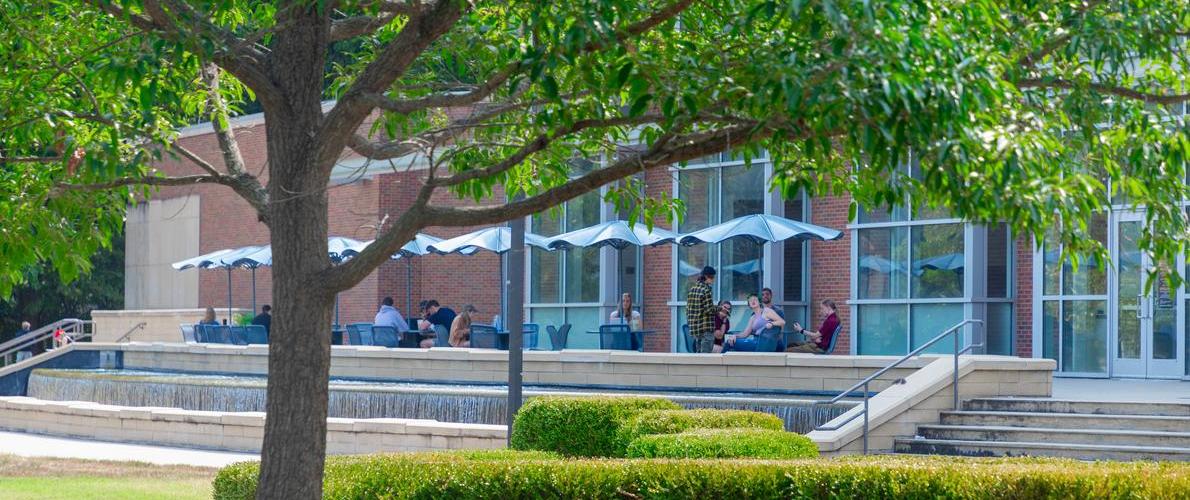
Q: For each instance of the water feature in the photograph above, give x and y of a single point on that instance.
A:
(356, 399)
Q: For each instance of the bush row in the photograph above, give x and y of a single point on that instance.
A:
(510, 475)
(651, 427)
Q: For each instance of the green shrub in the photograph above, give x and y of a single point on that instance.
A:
(447, 475)
(579, 426)
(675, 421)
(724, 443)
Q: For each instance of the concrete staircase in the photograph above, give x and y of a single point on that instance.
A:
(1085, 430)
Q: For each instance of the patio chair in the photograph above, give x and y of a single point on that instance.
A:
(237, 335)
(834, 339)
(441, 336)
(615, 337)
(484, 337)
(256, 334)
(688, 338)
(529, 335)
(384, 336)
(359, 334)
(558, 337)
(219, 334)
(188, 335)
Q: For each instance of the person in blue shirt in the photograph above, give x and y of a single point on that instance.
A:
(436, 315)
(390, 316)
(265, 318)
(209, 318)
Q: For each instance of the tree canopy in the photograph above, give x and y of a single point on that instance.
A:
(1033, 113)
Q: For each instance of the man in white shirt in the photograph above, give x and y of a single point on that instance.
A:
(390, 316)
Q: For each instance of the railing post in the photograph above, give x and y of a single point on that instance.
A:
(865, 418)
(954, 381)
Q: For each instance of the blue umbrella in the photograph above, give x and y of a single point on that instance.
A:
(208, 261)
(760, 229)
(617, 233)
(338, 248)
(493, 239)
(416, 247)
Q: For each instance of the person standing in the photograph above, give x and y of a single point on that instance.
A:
(701, 311)
(818, 342)
(265, 318)
(27, 351)
(390, 316)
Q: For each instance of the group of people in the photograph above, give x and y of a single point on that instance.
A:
(60, 338)
(435, 316)
(265, 318)
(710, 323)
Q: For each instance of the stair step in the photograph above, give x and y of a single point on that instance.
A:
(1066, 450)
(1048, 405)
(1067, 420)
(1051, 435)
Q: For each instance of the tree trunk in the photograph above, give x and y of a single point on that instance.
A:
(294, 447)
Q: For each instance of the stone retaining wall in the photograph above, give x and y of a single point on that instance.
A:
(232, 431)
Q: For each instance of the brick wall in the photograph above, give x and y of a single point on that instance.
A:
(657, 272)
(1024, 297)
(830, 266)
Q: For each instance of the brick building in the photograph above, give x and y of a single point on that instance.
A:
(899, 278)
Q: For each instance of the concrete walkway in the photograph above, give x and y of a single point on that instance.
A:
(35, 445)
(1129, 390)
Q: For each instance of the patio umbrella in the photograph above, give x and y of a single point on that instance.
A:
(760, 229)
(250, 257)
(617, 234)
(208, 261)
(497, 240)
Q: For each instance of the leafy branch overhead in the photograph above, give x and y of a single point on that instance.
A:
(1033, 113)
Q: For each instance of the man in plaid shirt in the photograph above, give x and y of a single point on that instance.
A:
(700, 311)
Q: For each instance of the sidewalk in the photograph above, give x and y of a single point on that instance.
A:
(35, 445)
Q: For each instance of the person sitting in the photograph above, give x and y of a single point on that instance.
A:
(265, 318)
(722, 324)
(460, 328)
(436, 315)
(763, 319)
(209, 318)
(625, 314)
(766, 299)
(818, 342)
(390, 316)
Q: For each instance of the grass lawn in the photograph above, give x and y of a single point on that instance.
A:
(38, 477)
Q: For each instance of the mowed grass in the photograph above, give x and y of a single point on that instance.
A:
(24, 478)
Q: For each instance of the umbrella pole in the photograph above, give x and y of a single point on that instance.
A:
(254, 290)
(503, 284)
(408, 286)
(336, 309)
(229, 318)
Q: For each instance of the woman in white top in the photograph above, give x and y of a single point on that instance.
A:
(625, 314)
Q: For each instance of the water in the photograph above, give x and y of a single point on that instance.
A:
(354, 399)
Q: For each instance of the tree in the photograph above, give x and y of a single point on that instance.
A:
(1026, 112)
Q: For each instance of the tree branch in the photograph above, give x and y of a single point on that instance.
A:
(186, 180)
(1031, 59)
(477, 94)
(351, 27)
(1147, 97)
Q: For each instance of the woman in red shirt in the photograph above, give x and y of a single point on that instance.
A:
(818, 342)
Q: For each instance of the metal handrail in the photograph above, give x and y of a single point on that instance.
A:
(76, 327)
(865, 382)
(138, 326)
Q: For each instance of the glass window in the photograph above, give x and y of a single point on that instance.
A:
(938, 261)
(695, 187)
(881, 329)
(546, 266)
(1090, 279)
(1084, 336)
(882, 257)
(743, 194)
(1050, 334)
(794, 252)
(1051, 271)
(880, 214)
(555, 316)
(998, 337)
(999, 246)
(930, 320)
(582, 265)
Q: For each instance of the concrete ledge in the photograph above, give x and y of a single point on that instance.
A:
(232, 431)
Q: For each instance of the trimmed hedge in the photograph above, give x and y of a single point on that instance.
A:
(579, 426)
(447, 475)
(675, 421)
(724, 443)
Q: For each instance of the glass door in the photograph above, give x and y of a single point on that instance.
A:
(1145, 340)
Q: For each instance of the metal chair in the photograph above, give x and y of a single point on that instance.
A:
(615, 337)
(558, 336)
(359, 333)
(256, 334)
(237, 335)
(384, 336)
(441, 336)
(188, 335)
(529, 335)
(484, 337)
(830, 347)
(219, 334)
